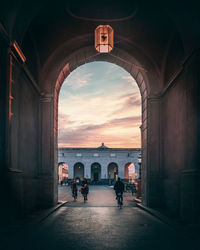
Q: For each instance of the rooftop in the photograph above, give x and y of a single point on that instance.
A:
(102, 146)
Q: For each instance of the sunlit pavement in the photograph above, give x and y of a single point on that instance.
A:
(98, 224)
(98, 196)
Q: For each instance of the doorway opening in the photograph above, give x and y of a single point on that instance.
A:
(129, 172)
(95, 173)
(78, 171)
(62, 173)
(80, 130)
(112, 172)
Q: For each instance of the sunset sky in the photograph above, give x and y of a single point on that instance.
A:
(99, 102)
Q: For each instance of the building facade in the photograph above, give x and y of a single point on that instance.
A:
(102, 164)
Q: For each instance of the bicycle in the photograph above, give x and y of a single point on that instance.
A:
(119, 200)
(84, 197)
(84, 191)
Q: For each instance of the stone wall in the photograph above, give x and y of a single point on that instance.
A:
(180, 143)
(23, 145)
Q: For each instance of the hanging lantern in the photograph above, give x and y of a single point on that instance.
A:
(104, 38)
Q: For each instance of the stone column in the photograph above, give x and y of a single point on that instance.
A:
(104, 172)
(48, 176)
(70, 171)
(87, 170)
(151, 169)
(121, 170)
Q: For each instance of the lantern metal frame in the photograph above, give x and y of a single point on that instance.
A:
(104, 38)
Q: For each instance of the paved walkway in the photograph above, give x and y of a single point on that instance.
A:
(97, 225)
(99, 196)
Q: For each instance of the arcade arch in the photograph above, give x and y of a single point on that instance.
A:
(95, 172)
(129, 172)
(112, 172)
(79, 50)
(122, 59)
(78, 170)
(62, 172)
(164, 89)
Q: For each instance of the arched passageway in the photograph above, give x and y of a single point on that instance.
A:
(62, 173)
(112, 172)
(29, 93)
(129, 172)
(78, 170)
(127, 62)
(95, 172)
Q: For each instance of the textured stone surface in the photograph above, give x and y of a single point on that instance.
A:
(97, 227)
(98, 196)
(157, 45)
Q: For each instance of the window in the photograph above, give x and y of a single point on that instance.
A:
(112, 155)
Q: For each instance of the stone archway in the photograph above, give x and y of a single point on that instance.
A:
(129, 172)
(171, 58)
(62, 172)
(57, 66)
(112, 172)
(120, 58)
(95, 172)
(78, 170)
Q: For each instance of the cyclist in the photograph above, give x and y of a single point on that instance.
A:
(119, 189)
(84, 191)
(84, 181)
(74, 189)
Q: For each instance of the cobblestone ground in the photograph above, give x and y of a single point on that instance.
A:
(97, 225)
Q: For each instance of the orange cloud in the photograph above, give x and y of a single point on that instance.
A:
(107, 132)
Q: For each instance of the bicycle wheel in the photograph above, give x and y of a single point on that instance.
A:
(119, 201)
(74, 195)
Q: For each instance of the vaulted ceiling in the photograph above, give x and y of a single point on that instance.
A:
(146, 30)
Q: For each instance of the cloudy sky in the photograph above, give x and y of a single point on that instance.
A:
(99, 102)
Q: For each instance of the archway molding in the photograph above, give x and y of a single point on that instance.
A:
(129, 173)
(79, 170)
(113, 171)
(95, 172)
(148, 83)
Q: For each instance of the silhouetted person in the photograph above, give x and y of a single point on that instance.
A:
(84, 181)
(74, 189)
(119, 187)
(84, 190)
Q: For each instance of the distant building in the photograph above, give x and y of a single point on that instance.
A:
(102, 164)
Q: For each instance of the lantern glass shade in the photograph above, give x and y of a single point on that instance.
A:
(104, 38)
